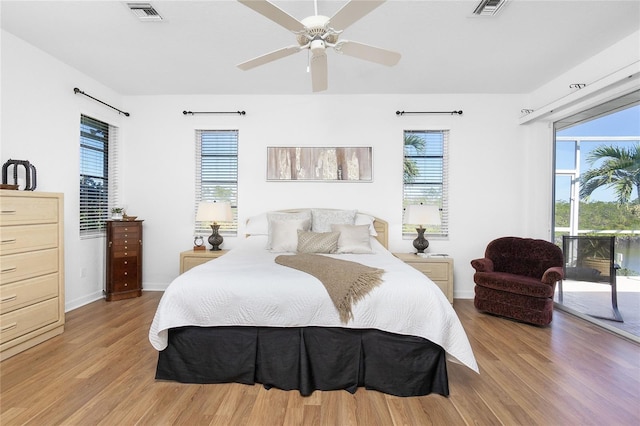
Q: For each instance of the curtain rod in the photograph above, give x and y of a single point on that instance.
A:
(459, 112)
(76, 91)
(214, 112)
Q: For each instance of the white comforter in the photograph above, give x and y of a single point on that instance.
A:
(245, 287)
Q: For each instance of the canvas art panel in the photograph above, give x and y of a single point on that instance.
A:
(344, 164)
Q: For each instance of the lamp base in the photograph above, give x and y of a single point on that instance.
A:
(215, 239)
(420, 243)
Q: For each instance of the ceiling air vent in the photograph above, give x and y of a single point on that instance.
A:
(145, 12)
(489, 7)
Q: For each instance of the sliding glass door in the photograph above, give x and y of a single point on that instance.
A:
(597, 180)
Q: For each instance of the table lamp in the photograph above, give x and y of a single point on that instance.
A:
(421, 214)
(214, 212)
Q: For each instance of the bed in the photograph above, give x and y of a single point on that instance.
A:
(248, 317)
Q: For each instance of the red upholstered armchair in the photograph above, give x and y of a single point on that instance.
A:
(517, 279)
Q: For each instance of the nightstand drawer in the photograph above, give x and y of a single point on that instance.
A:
(191, 262)
(192, 258)
(435, 271)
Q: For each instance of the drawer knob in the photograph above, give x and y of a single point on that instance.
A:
(7, 270)
(9, 241)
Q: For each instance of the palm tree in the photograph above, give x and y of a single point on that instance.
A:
(410, 169)
(620, 170)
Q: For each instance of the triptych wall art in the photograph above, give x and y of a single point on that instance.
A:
(334, 164)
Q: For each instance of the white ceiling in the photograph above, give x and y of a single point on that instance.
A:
(197, 46)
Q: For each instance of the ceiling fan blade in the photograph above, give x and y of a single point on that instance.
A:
(367, 52)
(351, 12)
(269, 57)
(273, 12)
(318, 65)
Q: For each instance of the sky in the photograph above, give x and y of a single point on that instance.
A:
(620, 123)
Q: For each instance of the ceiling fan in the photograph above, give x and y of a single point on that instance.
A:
(317, 32)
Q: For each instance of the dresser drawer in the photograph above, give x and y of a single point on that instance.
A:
(15, 267)
(126, 230)
(23, 293)
(435, 271)
(24, 211)
(28, 319)
(16, 239)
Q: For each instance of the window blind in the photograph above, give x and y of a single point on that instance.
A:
(426, 176)
(98, 174)
(217, 175)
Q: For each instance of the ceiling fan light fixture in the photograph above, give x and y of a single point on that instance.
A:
(489, 7)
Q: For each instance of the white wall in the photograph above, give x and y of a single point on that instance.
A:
(41, 124)
(500, 172)
(486, 166)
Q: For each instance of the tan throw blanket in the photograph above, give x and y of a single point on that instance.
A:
(346, 282)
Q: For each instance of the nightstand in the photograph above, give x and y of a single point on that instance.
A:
(191, 258)
(438, 268)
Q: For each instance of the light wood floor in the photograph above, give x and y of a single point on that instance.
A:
(101, 371)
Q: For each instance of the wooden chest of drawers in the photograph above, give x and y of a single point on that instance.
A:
(32, 269)
(124, 259)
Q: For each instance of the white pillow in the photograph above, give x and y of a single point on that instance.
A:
(353, 239)
(283, 234)
(303, 214)
(257, 225)
(365, 219)
(323, 219)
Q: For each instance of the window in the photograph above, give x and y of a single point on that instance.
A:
(98, 174)
(425, 176)
(217, 174)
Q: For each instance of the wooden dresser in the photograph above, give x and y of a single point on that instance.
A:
(32, 269)
(124, 259)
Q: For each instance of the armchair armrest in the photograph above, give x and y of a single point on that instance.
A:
(552, 275)
(482, 265)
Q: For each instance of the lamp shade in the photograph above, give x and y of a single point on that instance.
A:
(214, 212)
(422, 214)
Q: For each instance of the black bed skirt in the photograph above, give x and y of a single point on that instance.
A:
(306, 359)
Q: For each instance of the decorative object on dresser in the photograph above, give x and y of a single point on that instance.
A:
(438, 268)
(421, 214)
(214, 212)
(32, 264)
(30, 175)
(124, 259)
(116, 213)
(193, 258)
